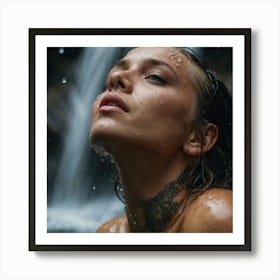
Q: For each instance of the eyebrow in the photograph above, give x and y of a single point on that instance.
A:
(124, 63)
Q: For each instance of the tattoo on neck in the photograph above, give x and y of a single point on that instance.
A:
(159, 210)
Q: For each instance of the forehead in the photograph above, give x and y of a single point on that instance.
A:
(157, 51)
(172, 56)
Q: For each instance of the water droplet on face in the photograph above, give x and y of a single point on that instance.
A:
(61, 51)
(170, 54)
(64, 81)
(179, 59)
(161, 102)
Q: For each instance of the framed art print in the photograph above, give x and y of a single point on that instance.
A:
(76, 185)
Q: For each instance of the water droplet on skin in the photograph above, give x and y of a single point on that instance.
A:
(100, 151)
(64, 81)
(61, 51)
(179, 59)
(171, 54)
(177, 65)
(161, 102)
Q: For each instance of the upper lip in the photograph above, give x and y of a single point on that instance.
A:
(115, 99)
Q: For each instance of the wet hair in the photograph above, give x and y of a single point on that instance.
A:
(213, 105)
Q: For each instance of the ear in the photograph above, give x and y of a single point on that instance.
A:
(203, 142)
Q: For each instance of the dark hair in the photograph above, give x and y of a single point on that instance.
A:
(213, 105)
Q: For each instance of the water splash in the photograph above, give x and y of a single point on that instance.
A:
(61, 50)
(79, 218)
(63, 80)
(70, 191)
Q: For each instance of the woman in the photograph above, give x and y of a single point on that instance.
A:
(166, 122)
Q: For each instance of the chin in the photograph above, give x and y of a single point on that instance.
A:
(105, 135)
(98, 135)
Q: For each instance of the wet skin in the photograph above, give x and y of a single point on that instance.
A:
(158, 95)
(211, 212)
(145, 120)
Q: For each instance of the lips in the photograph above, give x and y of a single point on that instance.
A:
(112, 103)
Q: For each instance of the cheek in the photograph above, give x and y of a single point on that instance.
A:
(94, 107)
(164, 109)
(94, 114)
(96, 102)
(166, 117)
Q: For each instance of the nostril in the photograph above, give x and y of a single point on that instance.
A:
(121, 84)
(110, 86)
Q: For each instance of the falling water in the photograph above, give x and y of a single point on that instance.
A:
(77, 204)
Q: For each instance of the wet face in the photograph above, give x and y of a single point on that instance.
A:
(148, 103)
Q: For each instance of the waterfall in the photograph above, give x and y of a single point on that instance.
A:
(82, 196)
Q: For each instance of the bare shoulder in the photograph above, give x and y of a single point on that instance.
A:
(117, 225)
(210, 212)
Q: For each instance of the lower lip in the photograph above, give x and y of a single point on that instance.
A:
(107, 108)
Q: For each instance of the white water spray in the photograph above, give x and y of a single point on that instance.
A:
(70, 209)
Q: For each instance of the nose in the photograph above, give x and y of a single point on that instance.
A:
(119, 80)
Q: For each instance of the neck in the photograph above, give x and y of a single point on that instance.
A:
(153, 188)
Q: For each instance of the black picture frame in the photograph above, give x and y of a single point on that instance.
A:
(35, 33)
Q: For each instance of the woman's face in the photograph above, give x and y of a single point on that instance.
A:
(149, 102)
